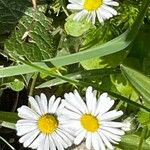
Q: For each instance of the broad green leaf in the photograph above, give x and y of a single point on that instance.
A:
(32, 37)
(76, 28)
(16, 85)
(8, 117)
(10, 13)
(140, 82)
(131, 142)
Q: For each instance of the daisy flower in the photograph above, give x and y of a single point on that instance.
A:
(89, 9)
(41, 125)
(93, 120)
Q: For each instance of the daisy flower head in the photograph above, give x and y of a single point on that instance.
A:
(89, 9)
(93, 120)
(41, 126)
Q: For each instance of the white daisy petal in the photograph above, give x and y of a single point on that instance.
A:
(26, 121)
(41, 144)
(71, 114)
(95, 141)
(30, 138)
(65, 132)
(111, 135)
(106, 141)
(109, 9)
(75, 124)
(25, 129)
(112, 3)
(93, 17)
(60, 109)
(64, 142)
(77, 132)
(89, 98)
(27, 136)
(102, 102)
(44, 102)
(112, 124)
(74, 7)
(101, 143)
(70, 98)
(112, 141)
(50, 104)
(46, 144)
(34, 105)
(94, 102)
(81, 15)
(80, 100)
(65, 138)
(111, 115)
(100, 19)
(107, 107)
(76, 1)
(68, 132)
(27, 113)
(113, 130)
(38, 99)
(52, 144)
(57, 142)
(71, 107)
(36, 142)
(80, 137)
(89, 140)
(55, 105)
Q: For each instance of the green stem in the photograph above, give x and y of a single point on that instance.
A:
(143, 134)
(64, 7)
(7, 143)
(33, 84)
(16, 102)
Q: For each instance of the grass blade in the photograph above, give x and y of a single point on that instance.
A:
(139, 81)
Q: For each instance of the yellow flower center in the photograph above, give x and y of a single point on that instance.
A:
(89, 122)
(91, 5)
(47, 123)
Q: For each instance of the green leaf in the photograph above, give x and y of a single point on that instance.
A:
(8, 125)
(8, 117)
(140, 82)
(16, 85)
(138, 22)
(32, 37)
(123, 86)
(131, 142)
(144, 118)
(10, 13)
(112, 46)
(109, 61)
(79, 75)
(76, 28)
